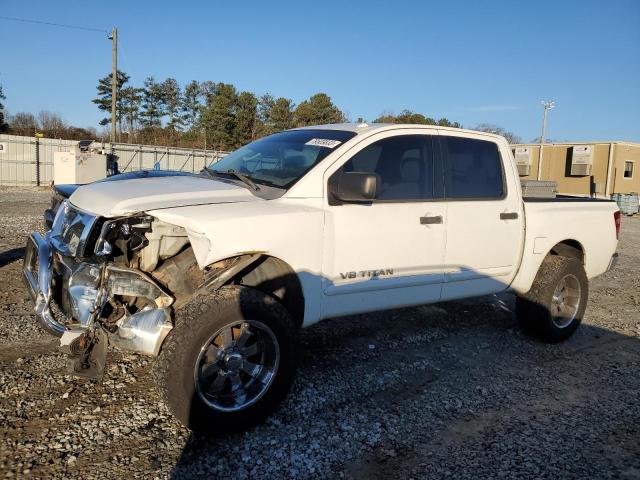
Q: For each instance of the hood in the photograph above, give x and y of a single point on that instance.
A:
(111, 199)
(67, 189)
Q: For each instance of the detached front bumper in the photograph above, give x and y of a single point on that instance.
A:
(37, 273)
(142, 332)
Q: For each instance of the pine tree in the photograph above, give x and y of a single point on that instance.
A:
(265, 104)
(274, 115)
(246, 119)
(173, 101)
(103, 101)
(131, 98)
(218, 117)
(318, 110)
(282, 116)
(153, 104)
(191, 104)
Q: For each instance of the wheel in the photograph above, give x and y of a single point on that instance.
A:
(229, 360)
(553, 308)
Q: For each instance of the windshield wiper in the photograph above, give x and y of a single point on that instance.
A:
(209, 171)
(240, 176)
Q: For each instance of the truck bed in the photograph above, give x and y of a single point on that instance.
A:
(565, 198)
(589, 222)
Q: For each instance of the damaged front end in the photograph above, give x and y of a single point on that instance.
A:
(92, 284)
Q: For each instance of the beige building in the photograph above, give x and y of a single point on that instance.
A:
(595, 168)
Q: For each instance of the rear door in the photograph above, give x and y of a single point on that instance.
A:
(484, 215)
(389, 252)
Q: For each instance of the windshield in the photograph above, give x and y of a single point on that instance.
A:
(280, 160)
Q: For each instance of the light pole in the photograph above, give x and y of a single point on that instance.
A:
(548, 105)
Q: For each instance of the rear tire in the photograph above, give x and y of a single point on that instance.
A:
(229, 360)
(553, 309)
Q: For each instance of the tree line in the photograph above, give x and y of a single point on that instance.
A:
(49, 124)
(201, 115)
(215, 115)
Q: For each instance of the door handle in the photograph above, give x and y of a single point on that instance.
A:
(508, 216)
(430, 220)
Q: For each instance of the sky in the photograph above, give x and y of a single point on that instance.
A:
(469, 61)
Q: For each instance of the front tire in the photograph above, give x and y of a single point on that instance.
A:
(229, 360)
(553, 309)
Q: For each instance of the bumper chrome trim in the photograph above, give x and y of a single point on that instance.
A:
(143, 332)
(38, 281)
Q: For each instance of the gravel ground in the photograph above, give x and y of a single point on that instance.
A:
(452, 390)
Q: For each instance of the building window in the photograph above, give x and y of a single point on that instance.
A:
(628, 169)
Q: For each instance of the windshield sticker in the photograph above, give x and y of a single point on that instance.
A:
(323, 142)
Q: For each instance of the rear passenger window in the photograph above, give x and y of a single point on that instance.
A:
(403, 163)
(473, 169)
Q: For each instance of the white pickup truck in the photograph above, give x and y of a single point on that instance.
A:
(214, 273)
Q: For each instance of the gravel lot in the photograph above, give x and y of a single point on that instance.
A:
(446, 391)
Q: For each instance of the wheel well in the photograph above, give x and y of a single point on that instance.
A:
(568, 248)
(275, 277)
(182, 277)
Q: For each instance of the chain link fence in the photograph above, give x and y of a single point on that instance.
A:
(29, 160)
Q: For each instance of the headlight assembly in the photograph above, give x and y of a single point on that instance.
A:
(129, 230)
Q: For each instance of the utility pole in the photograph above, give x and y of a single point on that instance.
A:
(548, 105)
(114, 81)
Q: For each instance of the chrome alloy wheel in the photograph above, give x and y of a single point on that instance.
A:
(565, 301)
(237, 365)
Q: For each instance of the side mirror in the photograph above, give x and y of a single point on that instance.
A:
(355, 187)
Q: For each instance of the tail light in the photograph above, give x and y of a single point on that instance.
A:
(616, 220)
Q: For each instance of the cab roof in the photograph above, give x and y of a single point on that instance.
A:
(360, 128)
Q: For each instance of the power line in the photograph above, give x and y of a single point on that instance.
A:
(26, 20)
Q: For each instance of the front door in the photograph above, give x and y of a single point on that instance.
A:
(389, 252)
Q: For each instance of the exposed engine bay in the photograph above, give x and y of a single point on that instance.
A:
(97, 281)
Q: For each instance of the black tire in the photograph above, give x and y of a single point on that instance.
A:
(196, 322)
(534, 310)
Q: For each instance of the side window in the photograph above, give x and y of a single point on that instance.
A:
(472, 168)
(404, 165)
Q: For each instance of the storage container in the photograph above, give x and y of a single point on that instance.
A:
(628, 203)
(539, 189)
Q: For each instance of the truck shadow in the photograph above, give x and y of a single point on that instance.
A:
(11, 255)
(392, 361)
